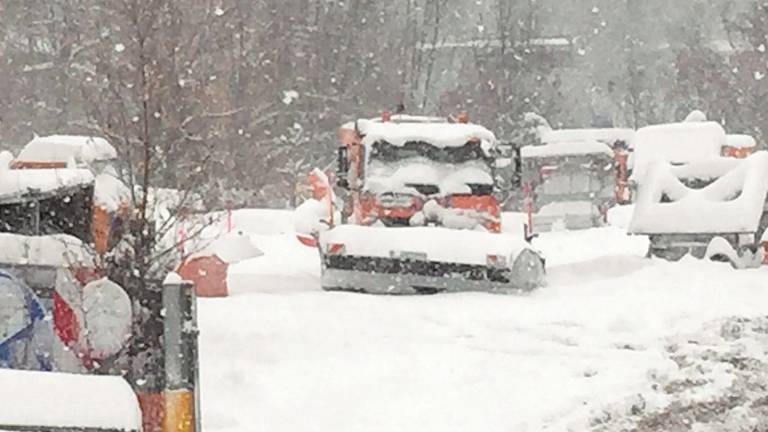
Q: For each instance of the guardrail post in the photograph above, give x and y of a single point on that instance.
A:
(182, 401)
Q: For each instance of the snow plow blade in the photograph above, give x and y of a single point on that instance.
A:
(427, 261)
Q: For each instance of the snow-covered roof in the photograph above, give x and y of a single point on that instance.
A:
(677, 143)
(62, 148)
(731, 204)
(48, 399)
(20, 182)
(436, 134)
(567, 148)
(740, 141)
(606, 135)
(53, 251)
(439, 244)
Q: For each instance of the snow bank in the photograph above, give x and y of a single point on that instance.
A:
(436, 134)
(606, 136)
(439, 244)
(732, 204)
(63, 148)
(231, 248)
(677, 143)
(47, 399)
(564, 208)
(567, 148)
(56, 250)
(385, 177)
(20, 182)
(740, 141)
(6, 158)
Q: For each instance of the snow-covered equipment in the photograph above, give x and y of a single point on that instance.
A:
(208, 267)
(91, 316)
(419, 214)
(714, 208)
(570, 183)
(59, 402)
(20, 314)
(739, 145)
(60, 156)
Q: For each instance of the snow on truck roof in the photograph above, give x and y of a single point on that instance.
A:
(676, 143)
(20, 182)
(438, 134)
(568, 148)
(733, 203)
(58, 400)
(740, 141)
(62, 148)
(605, 135)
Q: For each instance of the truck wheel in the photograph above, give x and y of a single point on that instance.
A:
(668, 254)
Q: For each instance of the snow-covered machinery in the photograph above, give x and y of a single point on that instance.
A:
(65, 155)
(416, 212)
(692, 199)
(572, 178)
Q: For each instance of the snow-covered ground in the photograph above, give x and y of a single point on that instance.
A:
(281, 355)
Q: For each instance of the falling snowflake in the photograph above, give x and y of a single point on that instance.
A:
(119, 47)
(289, 96)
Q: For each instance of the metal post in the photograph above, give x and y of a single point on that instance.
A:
(182, 406)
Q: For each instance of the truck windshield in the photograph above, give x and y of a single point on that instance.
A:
(386, 152)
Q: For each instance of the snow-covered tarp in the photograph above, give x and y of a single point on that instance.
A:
(733, 203)
(448, 178)
(48, 400)
(20, 182)
(63, 148)
(740, 141)
(606, 135)
(676, 143)
(566, 148)
(439, 244)
(437, 134)
(55, 250)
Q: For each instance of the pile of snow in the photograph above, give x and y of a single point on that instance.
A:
(32, 400)
(564, 208)
(312, 216)
(676, 143)
(731, 204)
(19, 182)
(606, 135)
(55, 250)
(696, 116)
(395, 177)
(6, 158)
(231, 248)
(740, 141)
(566, 148)
(110, 192)
(63, 148)
(437, 134)
(439, 244)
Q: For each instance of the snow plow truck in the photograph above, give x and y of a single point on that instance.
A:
(414, 211)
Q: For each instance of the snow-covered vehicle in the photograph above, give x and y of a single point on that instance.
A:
(59, 402)
(52, 157)
(691, 199)
(570, 184)
(419, 213)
